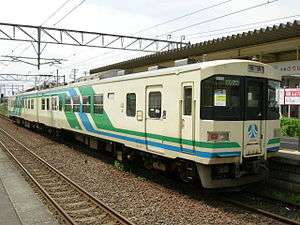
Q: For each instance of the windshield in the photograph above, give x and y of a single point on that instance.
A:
(272, 104)
(233, 98)
(221, 98)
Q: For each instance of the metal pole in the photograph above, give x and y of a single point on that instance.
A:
(39, 48)
(57, 77)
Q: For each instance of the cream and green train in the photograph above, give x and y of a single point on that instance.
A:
(217, 121)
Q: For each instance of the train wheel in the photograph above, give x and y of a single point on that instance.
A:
(187, 172)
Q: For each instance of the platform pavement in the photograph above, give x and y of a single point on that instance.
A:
(19, 205)
(289, 154)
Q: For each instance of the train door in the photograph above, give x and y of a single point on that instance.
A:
(254, 124)
(187, 114)
(154, 118)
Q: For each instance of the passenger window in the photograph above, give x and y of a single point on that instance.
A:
(154, 107)
(86, 104)
(28, 103)
(32, 104)
(47, 103)
(187, 101)
(54, 103)
(76, 104)
(43, 104)
(60, 103)
(98, 104)
(130, 104)
(68, 104)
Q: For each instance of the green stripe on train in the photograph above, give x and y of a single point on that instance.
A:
(274, 141)
(103, 122)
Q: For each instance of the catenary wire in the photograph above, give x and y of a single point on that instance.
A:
(218, 17)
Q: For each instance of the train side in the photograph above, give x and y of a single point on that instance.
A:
(148, 113)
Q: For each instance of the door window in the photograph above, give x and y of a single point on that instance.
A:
(254, 99)
(187, 101)
(98, 104)
(68, 103)
(154, 107)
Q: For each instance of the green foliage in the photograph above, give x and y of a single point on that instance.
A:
(293, 198)
(3, 109)
(119, 165)
(290, 126)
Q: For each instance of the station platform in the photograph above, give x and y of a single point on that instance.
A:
(19, 205)
(285, 170)
(289, 154)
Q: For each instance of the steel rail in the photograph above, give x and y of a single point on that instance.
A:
(107, 209)
(225, 199)
(261, 211)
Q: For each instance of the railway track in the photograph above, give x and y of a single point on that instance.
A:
(73, 203)
(243, 204)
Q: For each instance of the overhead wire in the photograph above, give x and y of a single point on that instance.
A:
(183, 16)
(45, 21)
(226, 15)
(67, 14)
(244, 25)
(165, 22)
(218, 17)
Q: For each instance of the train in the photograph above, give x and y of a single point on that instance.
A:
(214, 121)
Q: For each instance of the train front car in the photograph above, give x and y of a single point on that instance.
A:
(239, 119)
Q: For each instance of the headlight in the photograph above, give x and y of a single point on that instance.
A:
(218, 136)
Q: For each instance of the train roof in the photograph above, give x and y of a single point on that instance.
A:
(158, 72)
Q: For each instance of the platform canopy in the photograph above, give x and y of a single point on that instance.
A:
(259, 37)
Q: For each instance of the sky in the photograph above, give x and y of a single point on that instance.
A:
(128, 18)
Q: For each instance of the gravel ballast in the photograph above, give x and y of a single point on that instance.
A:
(150, 200)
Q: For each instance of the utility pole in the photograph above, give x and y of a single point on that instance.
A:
(74, 74)
(57, 77)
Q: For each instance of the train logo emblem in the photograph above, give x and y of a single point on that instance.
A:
(252, 131)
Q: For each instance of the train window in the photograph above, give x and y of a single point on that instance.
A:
(98, 104)
(43, 104)
(273, 105)
(32, 103)
(68, 103)
(86, 104)
(76, 103)
(154, 107)
(130, 104)
(54, 103)
(60, 103)
(28, 104)
(47, 103)
(221, 98)
(187, 101)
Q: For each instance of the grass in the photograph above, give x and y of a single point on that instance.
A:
(289, 197)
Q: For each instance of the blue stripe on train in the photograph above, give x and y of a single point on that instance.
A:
(88, 126)
(273, 149)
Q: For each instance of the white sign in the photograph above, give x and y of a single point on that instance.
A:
(288, 67)
(220, 97)
(289, 96)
